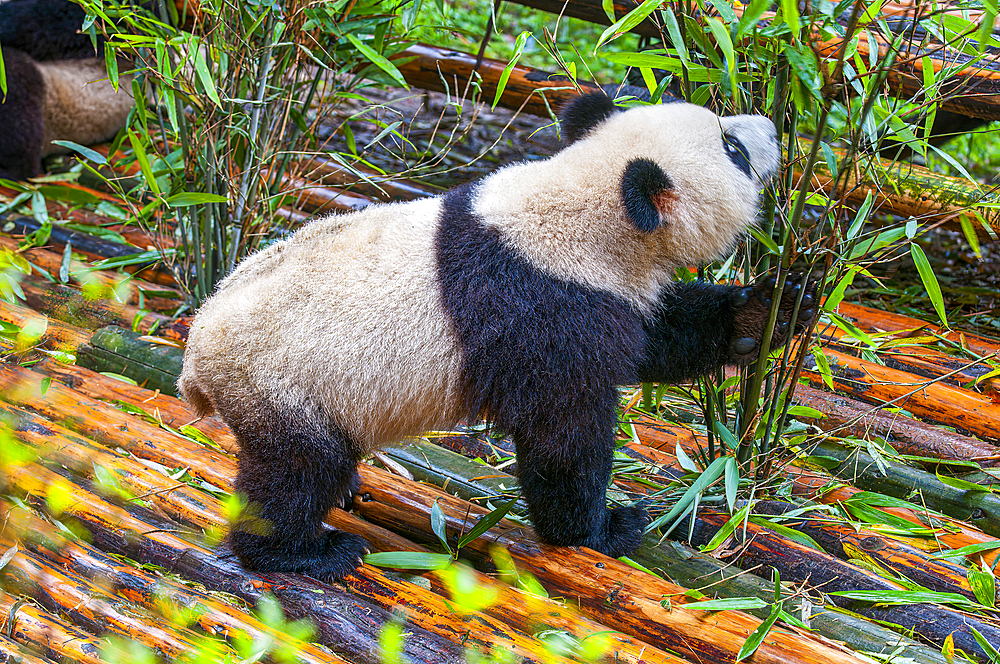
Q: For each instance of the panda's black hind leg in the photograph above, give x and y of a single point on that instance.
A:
(290, 476)
(564, 473)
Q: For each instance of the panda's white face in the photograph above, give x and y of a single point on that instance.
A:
(640, 193)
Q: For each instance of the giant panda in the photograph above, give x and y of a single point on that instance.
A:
(524, 298)
(56, 88)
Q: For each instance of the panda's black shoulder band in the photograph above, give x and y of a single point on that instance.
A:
(643, 183)
(584, 113)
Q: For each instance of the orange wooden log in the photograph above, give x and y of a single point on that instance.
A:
(56, 444)
(39, 629)
(88, 606)
(72, 306)
(350, 623)
(110, 426)
(13, 652)
(51, 333)
(850, 417)
(385, 188)
(533, 90)
(870, 319)
(608, 591)
(170, 410)
(946, 404)
(152, 592)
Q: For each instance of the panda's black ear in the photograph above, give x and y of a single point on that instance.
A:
(647, 194)
(584, 113)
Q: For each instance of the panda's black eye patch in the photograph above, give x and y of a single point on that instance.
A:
(737, 153)
(643, 187)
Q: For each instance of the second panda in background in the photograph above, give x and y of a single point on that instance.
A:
(524, 298)
(56, 88)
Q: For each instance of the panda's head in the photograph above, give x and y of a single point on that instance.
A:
(686, 179)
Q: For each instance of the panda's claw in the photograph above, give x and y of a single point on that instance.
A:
(744, 346)
(741, 297)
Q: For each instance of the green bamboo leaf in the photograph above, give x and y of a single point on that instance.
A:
(892, 597)
(790, 14)
(670, 21)
(140, 156)
(201, 68)
(522, 39)
(970, 234)
(728, 604)
(438, 523)
(378, 60)
(757, 636)
(984, 586)
(725, 434)
(111, 64)
(186, 198)
(408, 560)
(968, 550)
(84, 151)
(732, 482)
(930, 281)
(3, 77)
(961, 485)
(728, 528)
(708, 476)
(806, 411)
(486, 522)
(765, 240)
(823, 365)
(990, 650)
(725, 42)
(627, 22)
(751, 14)
(785, 531)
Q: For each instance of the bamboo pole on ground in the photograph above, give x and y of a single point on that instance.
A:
(39, 329)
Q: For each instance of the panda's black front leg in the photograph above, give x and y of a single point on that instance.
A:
(698, 327)
(564, 475)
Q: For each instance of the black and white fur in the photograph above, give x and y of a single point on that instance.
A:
(524, 298)
(57, 89)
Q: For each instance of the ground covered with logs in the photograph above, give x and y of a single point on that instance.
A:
(115, 498)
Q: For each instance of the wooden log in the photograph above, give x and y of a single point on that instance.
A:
(950, 532)
(797, 562)
(52, 333)
(441, 467)
(110, 426)
(978, 508)
(318, 200)
(170, 410)
(607, 590)
(152, 363)
(58, 445)
(88, 606)
(151, 592)
(870, 319)
(347, 623)
(846, 542)
(13, 652)
(963, 409)
(38, 629)
(908, 436)
(531, 90)
(72, 306)
(479, 628)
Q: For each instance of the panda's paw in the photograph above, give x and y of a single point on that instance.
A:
(751, 306)
(345, 498)
(625, 529)
(342, 554)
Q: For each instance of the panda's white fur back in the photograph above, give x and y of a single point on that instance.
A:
(81, 105)
(360, 305)
(344, 321)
